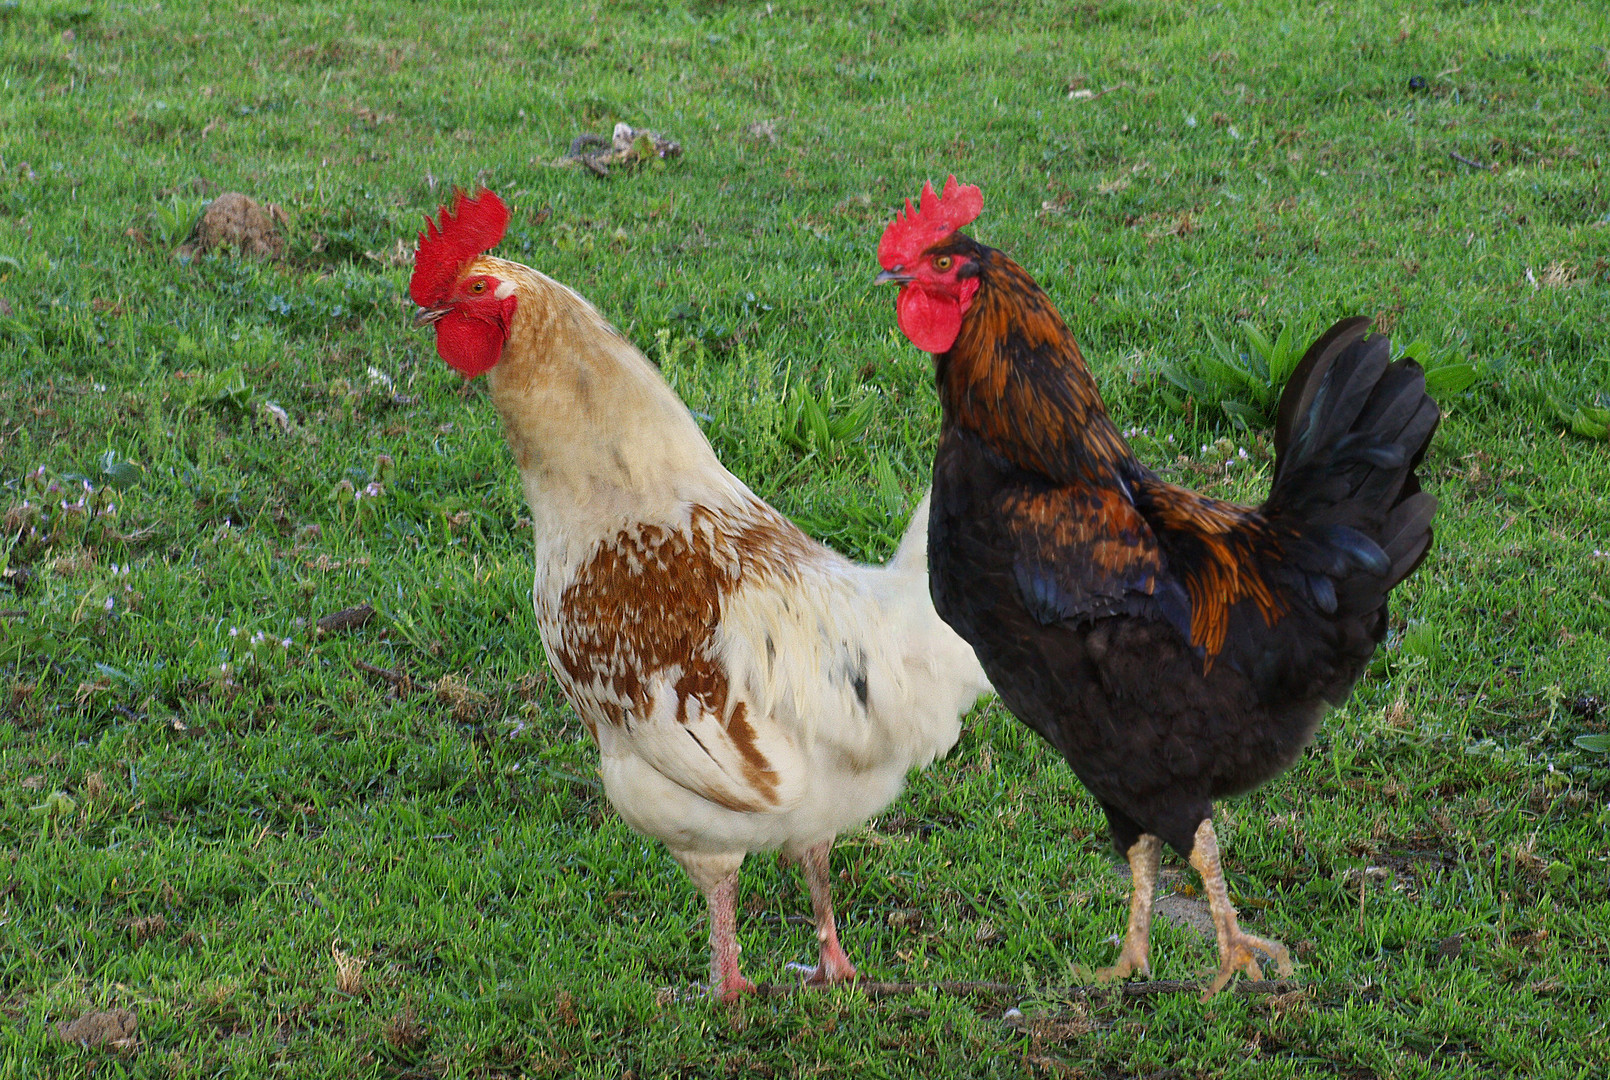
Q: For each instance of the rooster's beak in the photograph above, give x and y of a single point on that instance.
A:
(426, 316)
(892, 277)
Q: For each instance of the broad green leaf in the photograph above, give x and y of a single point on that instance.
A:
(1450, 378)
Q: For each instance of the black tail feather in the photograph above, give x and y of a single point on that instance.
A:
(1352, 426)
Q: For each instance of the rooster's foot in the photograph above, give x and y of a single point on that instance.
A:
(732, 986)
(1127, 965)
(1239, 953)
(834, 967)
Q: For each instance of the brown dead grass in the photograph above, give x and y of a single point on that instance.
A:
(348, 971)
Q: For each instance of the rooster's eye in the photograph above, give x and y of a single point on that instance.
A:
(943, 263)
(478, 287)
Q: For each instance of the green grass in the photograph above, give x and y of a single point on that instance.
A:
(262, 806)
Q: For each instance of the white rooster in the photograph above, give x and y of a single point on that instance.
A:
(748, 688)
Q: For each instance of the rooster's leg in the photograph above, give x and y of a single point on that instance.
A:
(726, 981)
(1144, 856)
(1235, 947)
(833, 966)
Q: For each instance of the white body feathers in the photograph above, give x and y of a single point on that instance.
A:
(748, 688)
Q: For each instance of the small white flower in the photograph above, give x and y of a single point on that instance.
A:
(285, 643)
(111, 602)
(1243, 453)
(234, 631)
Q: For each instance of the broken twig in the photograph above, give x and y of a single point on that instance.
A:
(1463, 160)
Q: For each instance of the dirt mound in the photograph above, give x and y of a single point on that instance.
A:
(114, 1028)
(237, 221)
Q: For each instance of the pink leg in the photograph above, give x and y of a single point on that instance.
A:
(726, 981)
(833, 966)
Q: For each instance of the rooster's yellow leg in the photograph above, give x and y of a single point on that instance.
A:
(1235, 947)
(1144, 855)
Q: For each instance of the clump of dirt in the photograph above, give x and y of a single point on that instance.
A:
(114, 1028)
(627, 147)
(237, 221)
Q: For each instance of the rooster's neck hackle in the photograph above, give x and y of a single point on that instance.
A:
(1015, 378)
(588, 418)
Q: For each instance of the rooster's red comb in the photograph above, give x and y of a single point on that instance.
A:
(915, 231)
(472, 227)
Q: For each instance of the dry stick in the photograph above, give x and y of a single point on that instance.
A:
(1463, 160)
(1151, 988)
(396, 678)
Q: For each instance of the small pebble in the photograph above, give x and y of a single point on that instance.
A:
(1012, 1016)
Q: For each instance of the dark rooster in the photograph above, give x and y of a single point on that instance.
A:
(1175, 648)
